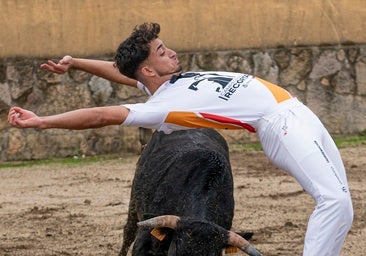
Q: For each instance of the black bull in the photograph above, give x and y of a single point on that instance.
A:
(185, 175)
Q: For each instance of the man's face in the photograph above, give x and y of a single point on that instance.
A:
(162, 60)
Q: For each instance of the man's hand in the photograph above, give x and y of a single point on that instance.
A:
(22, 118)
(101, 68)
(61, 67)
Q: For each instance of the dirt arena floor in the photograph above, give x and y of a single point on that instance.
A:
(80, 209)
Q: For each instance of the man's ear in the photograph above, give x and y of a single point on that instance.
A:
(147, 71)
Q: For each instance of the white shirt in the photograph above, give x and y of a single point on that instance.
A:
(221, 100)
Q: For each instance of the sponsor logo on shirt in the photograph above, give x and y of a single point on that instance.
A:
(226, 85)
(231, 88)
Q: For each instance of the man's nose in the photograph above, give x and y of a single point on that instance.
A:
(172, 53)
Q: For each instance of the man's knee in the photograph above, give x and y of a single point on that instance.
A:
(347, 208)
(342, 207)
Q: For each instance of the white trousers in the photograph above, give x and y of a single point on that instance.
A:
(296, 141)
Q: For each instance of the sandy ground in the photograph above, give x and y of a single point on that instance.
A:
(73, 209)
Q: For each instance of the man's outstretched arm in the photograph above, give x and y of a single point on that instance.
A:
(74, 120)
(104, 69)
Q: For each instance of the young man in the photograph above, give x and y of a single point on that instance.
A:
(291, 135)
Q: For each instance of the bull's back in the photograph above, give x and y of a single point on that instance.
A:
(188, 174)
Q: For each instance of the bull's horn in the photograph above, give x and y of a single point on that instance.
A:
(242, 244)
(164, 221)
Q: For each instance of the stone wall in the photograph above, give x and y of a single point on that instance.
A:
(331, 80)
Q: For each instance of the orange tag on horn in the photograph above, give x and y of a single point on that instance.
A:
(158, 234)
(231, 249)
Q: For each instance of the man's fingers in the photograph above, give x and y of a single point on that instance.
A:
(11, 118)
(51, 64)
(53, 67)
(47, 67)
(60, 68)
(14, 114)
(15, 119)
(13, 111)
(44, 66)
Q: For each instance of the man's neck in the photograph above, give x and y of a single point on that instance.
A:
(154, 83)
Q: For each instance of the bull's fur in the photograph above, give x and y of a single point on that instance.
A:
(188, 174)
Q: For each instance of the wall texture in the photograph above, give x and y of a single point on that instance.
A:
(52, 28)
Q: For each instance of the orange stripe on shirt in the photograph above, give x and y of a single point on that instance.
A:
(279, 93)
(192, 120)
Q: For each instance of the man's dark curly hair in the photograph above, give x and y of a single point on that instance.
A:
(135, 49)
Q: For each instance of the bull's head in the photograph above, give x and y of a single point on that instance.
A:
(198, 237)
